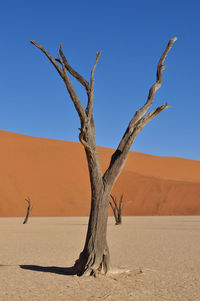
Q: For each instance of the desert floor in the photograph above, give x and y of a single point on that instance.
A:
(162, 254)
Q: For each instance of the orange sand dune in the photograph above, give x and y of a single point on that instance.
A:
(54, 175)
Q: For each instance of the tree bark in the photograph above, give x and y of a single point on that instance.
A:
(95, 255)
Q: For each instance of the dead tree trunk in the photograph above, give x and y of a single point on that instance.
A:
(28, 210)
(117, 209)
(95, 255)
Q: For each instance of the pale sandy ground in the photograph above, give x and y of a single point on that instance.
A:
(165, 249)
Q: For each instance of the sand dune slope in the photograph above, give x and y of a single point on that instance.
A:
(54, 175)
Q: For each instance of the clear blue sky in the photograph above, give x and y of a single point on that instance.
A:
(132, 36)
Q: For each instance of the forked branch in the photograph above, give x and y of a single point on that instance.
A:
(86, 116)
(155, 86)
(138, 121)
(74, 73)
(142, 111)
(63, 74)
(140, 124)
(117, 208)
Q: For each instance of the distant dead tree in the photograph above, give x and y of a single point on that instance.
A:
(117, 208)
(29, 208)
(95, 256)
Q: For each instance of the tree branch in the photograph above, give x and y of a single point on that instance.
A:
(156, 85)
(114, 208)
(141, 123)
(120, 204)
(89, 108)
(63, 74)
(49, 57)
(29, 208)
(114, 201)
(111, 205)
(137, 123)
(75, 74)
(119, 157)
(139, 113)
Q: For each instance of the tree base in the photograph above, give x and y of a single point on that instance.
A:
(93, 263)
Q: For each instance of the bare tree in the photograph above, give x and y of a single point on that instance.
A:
(29, 208)
(95, 255)
(117, 208)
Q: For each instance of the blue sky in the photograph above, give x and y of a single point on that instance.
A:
(131, 36)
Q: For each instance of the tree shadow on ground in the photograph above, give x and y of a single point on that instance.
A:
(50, 269)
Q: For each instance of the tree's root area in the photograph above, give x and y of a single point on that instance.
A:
(92, 265)
(92, 270)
